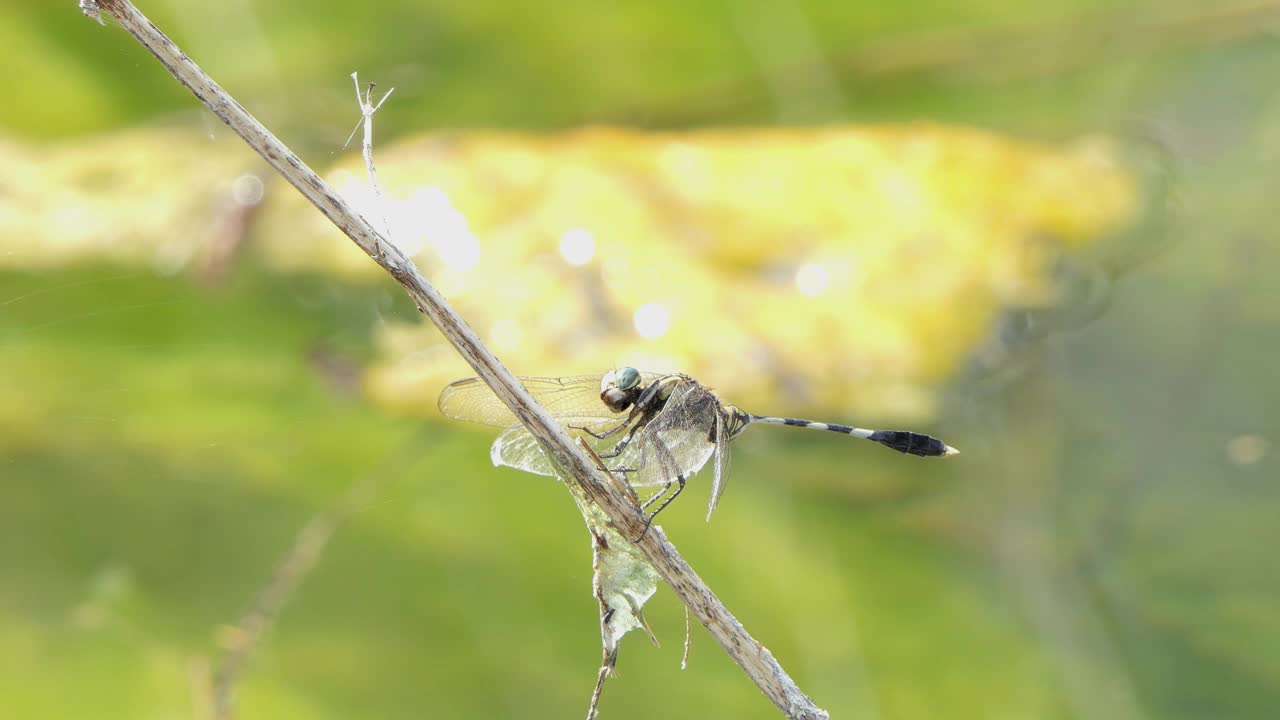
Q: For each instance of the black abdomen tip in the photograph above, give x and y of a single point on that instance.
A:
(910, 443)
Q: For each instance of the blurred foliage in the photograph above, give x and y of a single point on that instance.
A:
(831, 249)
(138, 198)
(1100, 345)
(812, 263)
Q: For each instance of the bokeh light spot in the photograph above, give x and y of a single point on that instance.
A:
(577, 246)
(446, 228)
(247, 190)
(652, 320)
(811, 279)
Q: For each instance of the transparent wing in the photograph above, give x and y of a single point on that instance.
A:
(678, 441)
(575, 398)
(721, 466)
(661, 457)
(471, 400)
(518, 449)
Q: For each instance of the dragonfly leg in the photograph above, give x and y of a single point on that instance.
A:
(656, 495)
(601, 436)
(667, 460)
(622, 444)
(648, 522)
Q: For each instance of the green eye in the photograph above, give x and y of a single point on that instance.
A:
(627, 378)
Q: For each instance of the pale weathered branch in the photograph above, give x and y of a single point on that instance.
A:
(755, 660)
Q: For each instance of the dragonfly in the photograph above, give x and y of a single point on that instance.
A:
(654, 429)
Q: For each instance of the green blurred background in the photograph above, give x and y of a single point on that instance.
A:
(1099, 550)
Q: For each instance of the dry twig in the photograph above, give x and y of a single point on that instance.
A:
(756, 661)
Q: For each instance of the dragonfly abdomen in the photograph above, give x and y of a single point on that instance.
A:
(906, 442)
(911, 443)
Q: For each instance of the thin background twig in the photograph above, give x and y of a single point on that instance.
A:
(306, 551)
(755, 660)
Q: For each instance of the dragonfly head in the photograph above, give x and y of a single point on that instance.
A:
(618, 388)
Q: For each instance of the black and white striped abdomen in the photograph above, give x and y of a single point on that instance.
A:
(846, 429)
(904, 441)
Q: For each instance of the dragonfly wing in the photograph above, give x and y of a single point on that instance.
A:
(516, 448)
(678, 440)
(471, 400)
(668, 454)
(722, 464)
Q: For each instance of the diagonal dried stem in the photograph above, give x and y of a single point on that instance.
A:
(756, 661)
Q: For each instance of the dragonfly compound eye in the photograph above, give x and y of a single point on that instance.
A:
(627, 378)
(615, 399)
